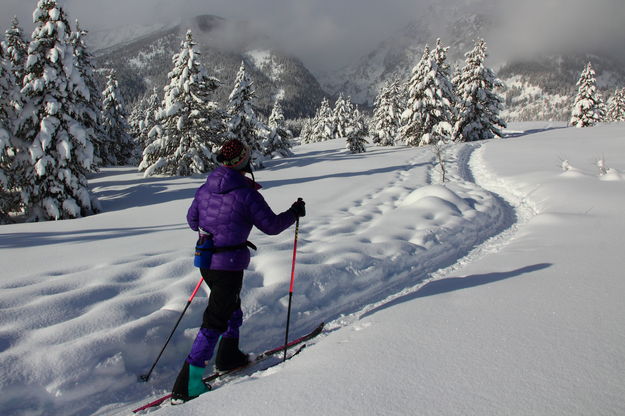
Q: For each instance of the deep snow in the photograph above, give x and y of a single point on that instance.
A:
(500, 292)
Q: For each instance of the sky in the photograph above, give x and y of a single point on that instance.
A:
(333, 33)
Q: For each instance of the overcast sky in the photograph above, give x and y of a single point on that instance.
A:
(337, 31)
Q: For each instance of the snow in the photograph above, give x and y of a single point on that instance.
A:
(498, 292)
(141, 59)
(264, 61)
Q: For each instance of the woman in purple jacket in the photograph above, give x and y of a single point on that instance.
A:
(227, 206)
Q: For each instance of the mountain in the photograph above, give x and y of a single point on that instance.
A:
(143, 64)
(398, 54)
(540, 86)
(537, 86)
(544, 87)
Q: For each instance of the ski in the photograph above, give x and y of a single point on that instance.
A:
(258, 359)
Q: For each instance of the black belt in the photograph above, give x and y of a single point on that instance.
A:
(233, 248)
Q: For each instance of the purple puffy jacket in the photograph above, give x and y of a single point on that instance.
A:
(227, 206)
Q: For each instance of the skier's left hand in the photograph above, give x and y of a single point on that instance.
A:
(299, 208)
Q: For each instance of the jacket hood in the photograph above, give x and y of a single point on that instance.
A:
(223, 180)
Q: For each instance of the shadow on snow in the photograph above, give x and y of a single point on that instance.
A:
(32, 239)
(452, 284)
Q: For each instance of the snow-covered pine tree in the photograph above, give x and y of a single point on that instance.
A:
(412, 117)
(588, 108)
(135, 117)
(89, 97)
(340, 118)
(16, 49)
(9, 202)
(146, 113)
(387, 113)
(356, 132)
(478, 103)
(430, 109)
(58, 155)
(276, 118)
(445, 99)
(243, 122)
(190, 125)
(305, 133)
(9, 199)
(616, 107)
(323, 123)
(117, 147)
(277, 144)
(9, 93)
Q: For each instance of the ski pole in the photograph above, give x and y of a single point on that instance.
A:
(288, 316)
(146, 377)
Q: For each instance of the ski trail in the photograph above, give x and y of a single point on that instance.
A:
(465, 164)
(361, 212)
(353, 261)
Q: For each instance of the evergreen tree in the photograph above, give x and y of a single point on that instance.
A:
(191, 125)
(16, 50)
(117, 147)
(430, 109)
(243, 122)
(478, 103)
(588, 108)
(277, 144)
(9, 200)
(322, 125)
(356, 133)
(340, 118)
(276, 118)
(9, 93)
(89, 98)
(146, 114)
(305, 133)
(412, 117)
(137, 113)
(58, 155)
(616, 108)
(387, 114)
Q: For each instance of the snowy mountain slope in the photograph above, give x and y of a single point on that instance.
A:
(100, 40)
(457, 27)
(538, 86)
(406, 269)
(143, 64)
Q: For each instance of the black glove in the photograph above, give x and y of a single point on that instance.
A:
(299, 208)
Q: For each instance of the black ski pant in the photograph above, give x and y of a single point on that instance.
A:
(224, 297)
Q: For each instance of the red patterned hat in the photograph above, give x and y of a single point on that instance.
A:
(234, 154)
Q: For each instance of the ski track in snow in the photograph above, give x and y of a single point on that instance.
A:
(468, 167)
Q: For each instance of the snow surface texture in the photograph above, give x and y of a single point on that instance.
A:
(498, 293)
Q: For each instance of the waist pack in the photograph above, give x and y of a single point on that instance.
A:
(205, 248)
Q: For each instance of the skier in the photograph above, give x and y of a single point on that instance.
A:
(226, 207)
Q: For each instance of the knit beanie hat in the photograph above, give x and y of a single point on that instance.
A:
(234, 154)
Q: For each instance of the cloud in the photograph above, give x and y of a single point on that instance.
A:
(328, 34)
(531, 26)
